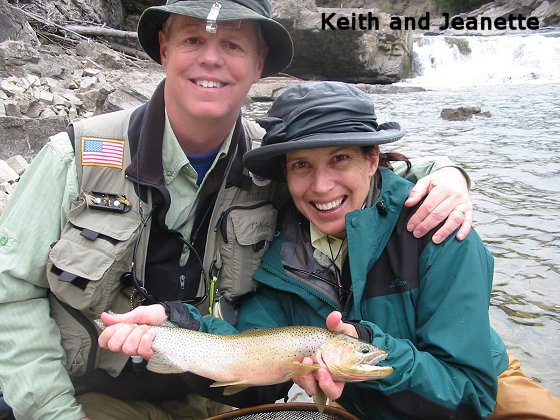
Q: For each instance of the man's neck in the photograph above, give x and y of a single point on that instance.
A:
(199, 136)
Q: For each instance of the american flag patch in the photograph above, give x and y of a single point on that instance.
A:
(102, 152)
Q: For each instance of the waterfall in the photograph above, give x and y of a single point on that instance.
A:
(448, 61)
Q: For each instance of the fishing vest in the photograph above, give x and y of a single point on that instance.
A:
(89, 267)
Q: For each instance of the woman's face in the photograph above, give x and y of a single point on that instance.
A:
(326, 183)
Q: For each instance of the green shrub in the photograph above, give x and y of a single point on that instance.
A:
(461, 43)
(458, 6)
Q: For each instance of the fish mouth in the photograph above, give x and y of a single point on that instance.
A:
(364, 370)
(374, 358)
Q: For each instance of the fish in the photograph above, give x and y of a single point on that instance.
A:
(264, 356)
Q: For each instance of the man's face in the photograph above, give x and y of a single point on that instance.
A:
(208, 75)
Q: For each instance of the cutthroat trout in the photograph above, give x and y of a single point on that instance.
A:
(264, 356)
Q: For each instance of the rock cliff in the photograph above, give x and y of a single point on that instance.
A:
(49, 76)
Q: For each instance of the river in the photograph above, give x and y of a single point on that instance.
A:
(513, 159)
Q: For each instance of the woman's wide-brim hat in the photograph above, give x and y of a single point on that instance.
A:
(312, 115)
(278, 40)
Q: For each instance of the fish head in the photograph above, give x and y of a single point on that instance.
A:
(352, 360)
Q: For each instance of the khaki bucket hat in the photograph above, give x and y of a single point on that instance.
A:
(277, 37)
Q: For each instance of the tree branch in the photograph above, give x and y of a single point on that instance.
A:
(101, 31)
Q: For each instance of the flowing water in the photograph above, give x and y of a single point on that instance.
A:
(513, 159)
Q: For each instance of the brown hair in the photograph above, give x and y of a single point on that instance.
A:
(385, 159)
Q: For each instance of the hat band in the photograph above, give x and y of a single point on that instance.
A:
(263, 8)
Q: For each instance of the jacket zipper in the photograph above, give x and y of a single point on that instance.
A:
(290, 280)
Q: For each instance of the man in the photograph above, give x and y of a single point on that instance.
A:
(151, 205)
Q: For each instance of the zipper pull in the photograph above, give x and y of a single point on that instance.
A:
(182, 281)
(219, 222)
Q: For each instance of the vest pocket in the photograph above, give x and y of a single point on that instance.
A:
(246, 232)
(95, 249)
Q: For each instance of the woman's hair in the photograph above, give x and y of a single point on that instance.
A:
(385, 159)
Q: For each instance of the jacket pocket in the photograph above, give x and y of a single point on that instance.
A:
(246, 232)
(95, 249)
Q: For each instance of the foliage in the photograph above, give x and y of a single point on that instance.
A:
(458, 6)
(461, 44)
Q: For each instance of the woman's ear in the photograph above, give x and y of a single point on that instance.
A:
(373, 160)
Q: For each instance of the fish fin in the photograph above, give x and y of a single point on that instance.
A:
(320, 400)
(231, 388)
(160, 364)
(297, 369)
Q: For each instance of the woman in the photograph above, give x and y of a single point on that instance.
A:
(344, 255)
(426, 304)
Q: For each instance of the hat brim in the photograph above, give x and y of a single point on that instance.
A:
(278, 39)
(265, 161)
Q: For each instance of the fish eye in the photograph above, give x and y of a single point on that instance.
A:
(364, 349)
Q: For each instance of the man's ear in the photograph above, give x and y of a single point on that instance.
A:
(260, 64)
(162, 48)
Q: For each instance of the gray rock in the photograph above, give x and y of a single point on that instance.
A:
(18, 164)
(7, 174)
(366, 56)
(18, 53)
(7, 188)
(463, 113)
(12, 109)
(14, 25)
(26, 136)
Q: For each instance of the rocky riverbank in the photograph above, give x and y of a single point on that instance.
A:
(48, 80)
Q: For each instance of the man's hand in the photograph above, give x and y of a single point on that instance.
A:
(447, 196)
(334, 323)
(124, 335)
(322, 378)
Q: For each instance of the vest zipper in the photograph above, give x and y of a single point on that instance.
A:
(222, 220)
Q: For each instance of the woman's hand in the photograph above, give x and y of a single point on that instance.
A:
(123, 334)
(447, 198)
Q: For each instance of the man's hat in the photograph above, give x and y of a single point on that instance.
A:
(278, 40)
(311, 115)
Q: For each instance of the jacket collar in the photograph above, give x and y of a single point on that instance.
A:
(145, 135)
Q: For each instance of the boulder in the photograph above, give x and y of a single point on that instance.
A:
(26, 136)
(463, 113)
(18, 164)
(7, 174)
(359, 56)
(14, 25)
(547, 11)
